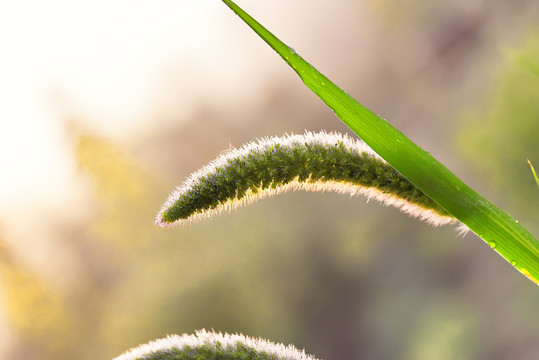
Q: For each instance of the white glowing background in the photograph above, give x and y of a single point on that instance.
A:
(103, 61)
(107, 65)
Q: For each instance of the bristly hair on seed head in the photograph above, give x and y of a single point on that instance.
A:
(312, 162)
(211, 345)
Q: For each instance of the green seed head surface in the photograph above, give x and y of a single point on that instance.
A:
(312, 161)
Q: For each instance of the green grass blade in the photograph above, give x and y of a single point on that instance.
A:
(497, 228)
(534, 173)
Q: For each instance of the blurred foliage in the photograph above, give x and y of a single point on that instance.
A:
(398, 13)
(38, 311)
(50, 321)
(121, 189)
(445, 330)
(499, 136)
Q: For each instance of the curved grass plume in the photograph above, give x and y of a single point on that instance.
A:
(312, 162)
(497, 228)
(211, 345)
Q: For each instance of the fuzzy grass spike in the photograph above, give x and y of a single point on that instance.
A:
(312, 161)
(211, 345)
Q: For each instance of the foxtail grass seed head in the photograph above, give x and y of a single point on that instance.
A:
(212, 345)
(312, 161)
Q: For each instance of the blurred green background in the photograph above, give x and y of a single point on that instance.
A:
(85, 274)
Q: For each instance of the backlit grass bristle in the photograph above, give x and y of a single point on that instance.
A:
(211, 345)
(312, 161)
